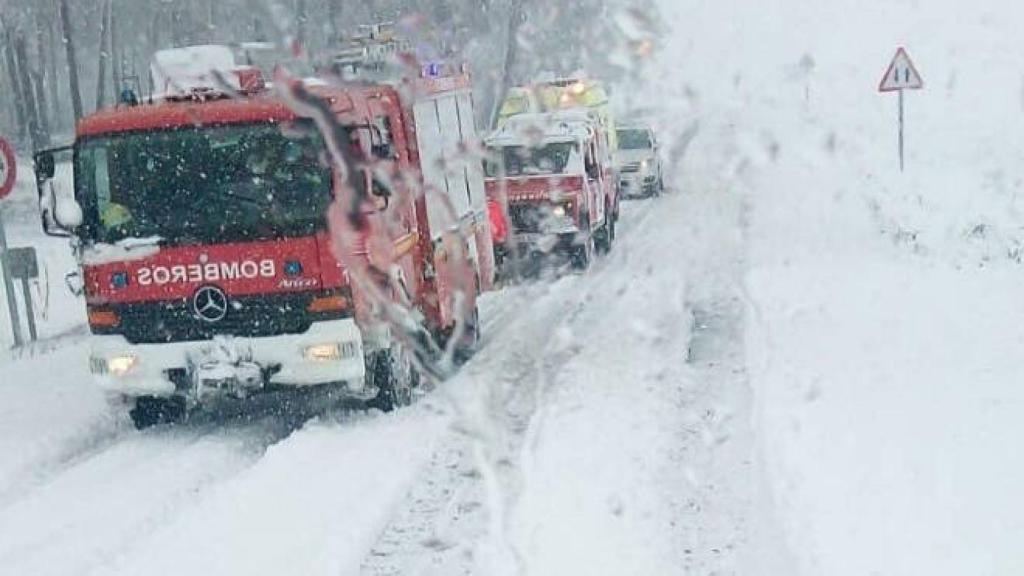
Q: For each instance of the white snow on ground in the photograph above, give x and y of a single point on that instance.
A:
(883, 310)
(50, 412)
(611, 463)
(801, 362)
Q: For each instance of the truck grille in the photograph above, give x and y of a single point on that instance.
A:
(525, 217)
(249, 316)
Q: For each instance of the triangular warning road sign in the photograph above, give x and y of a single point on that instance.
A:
(901, 75)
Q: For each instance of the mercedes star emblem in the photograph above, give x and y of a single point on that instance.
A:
(210, 304)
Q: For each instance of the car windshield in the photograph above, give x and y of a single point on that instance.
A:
(219, 183)
(634, 139)
(529, 161)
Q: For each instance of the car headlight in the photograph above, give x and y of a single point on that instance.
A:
(558, 211)
(330, 351)
(644, 165)
(323, 352)
(116, 365)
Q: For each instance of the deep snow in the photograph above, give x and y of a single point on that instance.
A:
(882, 312)
(800, 362)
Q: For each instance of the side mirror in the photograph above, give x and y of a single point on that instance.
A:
(45, 167)
(378, 192)
(383, 151)
(67, 212)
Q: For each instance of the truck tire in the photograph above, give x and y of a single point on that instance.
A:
(394, 376)
(583, 254)
(151, 411)
(605, 236)
(470, 339)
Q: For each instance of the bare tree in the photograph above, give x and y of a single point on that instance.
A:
(301, 19)
(104, 55)
(69, 47)
(115, 54)
(38, 95)
(25, 91)
(508, 69)
(332, 20)
(12, 71)
(39, 78)
(54, 80)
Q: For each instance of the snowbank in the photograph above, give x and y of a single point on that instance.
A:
(883, 308)
(48, 414)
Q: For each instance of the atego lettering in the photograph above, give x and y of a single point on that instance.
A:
(208, 272)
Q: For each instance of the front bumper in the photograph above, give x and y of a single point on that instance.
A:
(548, 242)
(637, 184)
(284, 360)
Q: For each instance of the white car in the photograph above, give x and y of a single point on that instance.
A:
(637, 162)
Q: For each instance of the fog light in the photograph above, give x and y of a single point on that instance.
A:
(117, 365)
(323, 352)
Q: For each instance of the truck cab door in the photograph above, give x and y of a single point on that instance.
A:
(595, 187)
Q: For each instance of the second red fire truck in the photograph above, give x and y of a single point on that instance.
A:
(551, 188)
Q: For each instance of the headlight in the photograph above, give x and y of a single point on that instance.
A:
(331, 351)
(644, 164)
(117, 365)
(558, 211)
(323, 352)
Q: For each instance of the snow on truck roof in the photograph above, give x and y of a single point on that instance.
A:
(180, 71)
(261, 107)
(565, 125)
(192, 80)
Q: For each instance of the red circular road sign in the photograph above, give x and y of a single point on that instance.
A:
(8, 168)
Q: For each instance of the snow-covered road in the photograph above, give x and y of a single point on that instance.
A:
(800, 361)
(581, 435)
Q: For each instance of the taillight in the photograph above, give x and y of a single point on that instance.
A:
(333, 303)
(103, 318)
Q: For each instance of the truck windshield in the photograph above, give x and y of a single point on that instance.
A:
(527, 161)
(634, 139)
(203, 184)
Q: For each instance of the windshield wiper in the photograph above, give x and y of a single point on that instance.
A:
(229, 194)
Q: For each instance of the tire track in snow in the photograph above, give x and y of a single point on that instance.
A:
(437, 528)
(443, 525)
(95, 505)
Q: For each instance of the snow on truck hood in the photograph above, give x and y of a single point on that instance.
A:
(125, 250)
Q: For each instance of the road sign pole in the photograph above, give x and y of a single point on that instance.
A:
(12, 302)
(30, 312)
(901, 130)
(900, 76)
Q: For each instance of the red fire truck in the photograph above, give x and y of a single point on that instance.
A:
(208, 227)
(552, 188)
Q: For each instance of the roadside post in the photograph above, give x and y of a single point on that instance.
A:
(21, 264)
(901, 75)
(8, 175)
